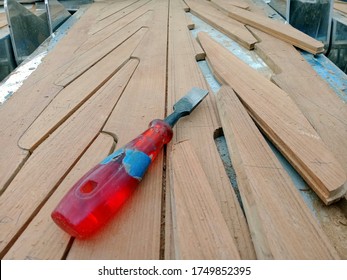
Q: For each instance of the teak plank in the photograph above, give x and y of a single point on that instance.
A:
(281, 224)
(199, 128)
(42, 239)
(225, 4)
(277, 29)
(121, 13)
(87, 59)
(341, 7)
(97, 38)
(281, 120)
(135, 231)
(53, 159)
(76, 93)
(114, 7)
(318, 102)
(3, 20)
(234, 29)
(19, 111)
(200, 231)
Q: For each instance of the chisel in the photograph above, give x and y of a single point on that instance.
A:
(99, 194)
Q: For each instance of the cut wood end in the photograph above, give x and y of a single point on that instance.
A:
(336, 195)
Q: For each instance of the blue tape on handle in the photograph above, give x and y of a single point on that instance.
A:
(136, 163)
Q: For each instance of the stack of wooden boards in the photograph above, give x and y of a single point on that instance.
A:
(127, 62)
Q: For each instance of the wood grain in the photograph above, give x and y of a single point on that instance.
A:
(76, 93)
(200, 231)
(341, 7)
(35, 94)
(326, 112)
(42, 239)
(233, 29)
(277, 29)
(87, 59)
(54, 158)
(281, 224)
(281, 120)
(199, 128)
(135, 233)
(225, 4)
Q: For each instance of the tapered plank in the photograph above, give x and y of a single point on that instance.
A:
(199, 128)
(225, 4)
(233, 29)
(105, 21)
(277, 29)
(53, 159)
(75, 94)
(281, 224)
(135, 231)
(97, 38)
(3, 20)
(42, 239)
(200, 231)
(22, 108)
(281, 120)
(341, 7)
(114, 7)
(87, 59)
(317, 101)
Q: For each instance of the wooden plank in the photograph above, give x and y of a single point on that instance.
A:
(199, 52)
(200, 231)
(87, 59)
(341, 7)
(97, 38)
(199, 128)
(281, 120)
(76, 93)
(42, 240)
(114, 7)
(225, 4)
(135, 233)
(282, 226)
(233, 29)
(53, 159)
(22, 108)
(3, 20)
(104, 22)
(277, 29)
(317, 101)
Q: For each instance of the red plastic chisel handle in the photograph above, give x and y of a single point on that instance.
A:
(97, 196)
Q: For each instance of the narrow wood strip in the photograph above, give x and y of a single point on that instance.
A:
(75, 94)
(341, 7)
(200, 231)
(35, 94)
(225, 4)
(281, 120)
(199, 128)
(114, 7)
(121, 13)
(87, 59)
(232, 28)
(95, 39)
(318, 102)
(42, 240)
(135, 232)
(53, 159)
(278, 29)
(282, 226)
